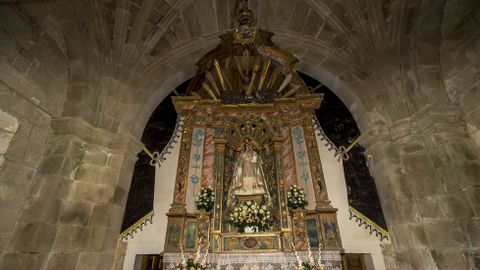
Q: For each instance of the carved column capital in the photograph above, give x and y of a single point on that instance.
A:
(78, 127)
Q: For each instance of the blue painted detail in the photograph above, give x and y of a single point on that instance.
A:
(196, 157)
(301, 153)
(197, 142)
(302, 157)
(195, 179)
(304, 176)
(298, 135)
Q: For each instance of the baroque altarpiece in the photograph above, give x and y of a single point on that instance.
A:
(248, 133)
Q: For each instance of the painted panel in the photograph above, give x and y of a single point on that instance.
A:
(190, 235)
(312, 232)
(330, 231)
(302, 165)
(288, 159)
(195, 167)
(208, 158)
(182, 170)
(174, 231)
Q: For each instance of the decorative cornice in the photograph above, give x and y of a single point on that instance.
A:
(439, 119)
(82, 129)
(126, 142)
(78, 127)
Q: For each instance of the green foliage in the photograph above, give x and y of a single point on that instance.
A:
(205, 199)
(296, 197)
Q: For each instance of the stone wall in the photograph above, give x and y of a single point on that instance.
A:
(73, 211)
(32, 85)
(426, 170)
(8, 127)
(460, 58)
(407, 70)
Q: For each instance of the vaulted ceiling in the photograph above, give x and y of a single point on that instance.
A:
(123, 56)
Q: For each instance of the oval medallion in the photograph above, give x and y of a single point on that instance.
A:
(250, 242)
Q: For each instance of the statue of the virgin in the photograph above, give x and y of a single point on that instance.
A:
(248, 176)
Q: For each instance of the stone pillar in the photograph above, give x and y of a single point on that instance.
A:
(8, 127)
(427, 175)
(74, 210)
(120, 254)
(24, 132)
(11, 179)
(389, 256)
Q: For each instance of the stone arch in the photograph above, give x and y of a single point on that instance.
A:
(177, 69)
(421, 143)
(121, 59)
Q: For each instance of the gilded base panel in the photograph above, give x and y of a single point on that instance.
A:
(257, 242)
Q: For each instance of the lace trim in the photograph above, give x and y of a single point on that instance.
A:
(328, 143)
(239, 258)
(137, 226)
(159, 158)
(368, 224)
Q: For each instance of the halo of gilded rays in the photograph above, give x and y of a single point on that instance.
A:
(246, 67)
(252, 76)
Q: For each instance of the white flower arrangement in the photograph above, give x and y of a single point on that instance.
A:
(310, 263)
(250, 213)
(205, 199)
(296, 197)
(194, 264)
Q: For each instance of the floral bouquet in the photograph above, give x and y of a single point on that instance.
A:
(205, 199)
(296, 197)
(310, 263)
(250, 213)
(196, 263)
